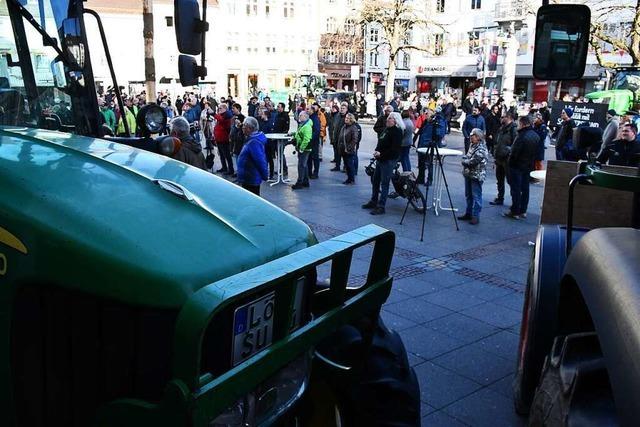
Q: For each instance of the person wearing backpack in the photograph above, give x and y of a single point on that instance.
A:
(501, 150)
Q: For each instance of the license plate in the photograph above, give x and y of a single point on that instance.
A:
(253, 324)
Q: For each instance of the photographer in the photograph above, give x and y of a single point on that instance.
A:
(386, 154)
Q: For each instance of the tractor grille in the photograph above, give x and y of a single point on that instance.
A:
(72, 353)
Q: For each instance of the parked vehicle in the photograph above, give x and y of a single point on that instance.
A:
(577, 358)
(140, 291)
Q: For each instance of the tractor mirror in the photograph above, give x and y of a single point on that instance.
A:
(72, 41)
(189, 26)
(562, 41)
(189, 70)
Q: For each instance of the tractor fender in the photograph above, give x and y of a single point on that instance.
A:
(605, 266)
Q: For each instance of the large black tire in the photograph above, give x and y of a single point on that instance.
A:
(539, 314)
(381, 389)
(574, 389)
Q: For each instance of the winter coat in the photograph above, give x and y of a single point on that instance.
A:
(381, 125)
(315, 131)
(472, 122)
(109, 118)
(542, 132)
(492, 123)
(565, 134)
(475, 162)
(425, 138)
(621, 153)
(407, 136)
(223, 127)
(389, 144)
(467, 105)
(282, 123)
(336, 127)
(348, 140)
(611, 131)
(265, 126)
(503, 140)
(131, 121)
(524, 150)
(449, 111)
(252, 160)
(302, 137)
(236, 137)
(323, 124)
(190, 152)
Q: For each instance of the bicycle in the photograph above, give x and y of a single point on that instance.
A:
(404, 184)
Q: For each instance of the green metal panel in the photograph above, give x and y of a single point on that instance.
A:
(85, 214)
(200, 398)
(92, 218)
(620, 100)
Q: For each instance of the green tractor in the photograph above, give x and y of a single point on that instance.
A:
(624, 94)
(577, 361)
(140, 291)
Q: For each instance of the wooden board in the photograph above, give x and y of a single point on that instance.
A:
(593, 206)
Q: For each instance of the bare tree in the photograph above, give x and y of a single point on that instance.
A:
(623, 16)
(396, 19)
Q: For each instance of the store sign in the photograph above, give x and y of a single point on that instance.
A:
(434, 70)
(355, 72)
(594, 114)
(337, 75)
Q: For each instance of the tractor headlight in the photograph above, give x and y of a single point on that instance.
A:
(152, 118)
(270, 399)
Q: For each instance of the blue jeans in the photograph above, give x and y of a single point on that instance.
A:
(303, 168)
(381, 180)
(473, 193)
(519, 191)
(404, 158)
(350, 163)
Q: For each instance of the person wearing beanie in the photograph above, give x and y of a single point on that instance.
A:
(564, 142)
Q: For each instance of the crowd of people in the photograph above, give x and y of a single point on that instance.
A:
(517, 144)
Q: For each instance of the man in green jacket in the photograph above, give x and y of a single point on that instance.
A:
(108, 115)
(302, 139)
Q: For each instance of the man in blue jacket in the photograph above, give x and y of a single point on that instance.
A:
(252, 161)
(472, 121)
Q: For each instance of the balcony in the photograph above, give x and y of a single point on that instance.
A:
(510, 11)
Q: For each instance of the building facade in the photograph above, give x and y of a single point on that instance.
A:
(341, 51)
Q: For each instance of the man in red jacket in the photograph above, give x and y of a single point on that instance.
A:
(221, 132)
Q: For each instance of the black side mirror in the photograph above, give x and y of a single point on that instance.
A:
(562, 41)
(189, 70)
(189, 26)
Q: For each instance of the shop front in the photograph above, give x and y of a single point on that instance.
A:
(432, 79)
(402, 80)
(339, 77)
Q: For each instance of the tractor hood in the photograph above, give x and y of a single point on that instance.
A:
(620, 100)
(122, 223)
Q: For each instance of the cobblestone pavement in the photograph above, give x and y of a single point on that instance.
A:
(456, 298)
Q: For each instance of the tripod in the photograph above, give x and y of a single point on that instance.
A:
(433, 152)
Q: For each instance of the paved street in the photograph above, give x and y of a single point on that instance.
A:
(457, 296)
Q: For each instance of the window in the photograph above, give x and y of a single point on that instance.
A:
(373, 35)
(331, 25)
(474, 41)
(350, 3)
(169, 20)
(252, 7)
(349, 57)
(329, 55)
(438, 44)
(350, 27)
(475, 4)
(440, 6)
(267, 7)
(373, 59)
(288, 9)
(406, 61)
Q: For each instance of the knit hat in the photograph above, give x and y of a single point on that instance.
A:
(612, 112)
(568, 111)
